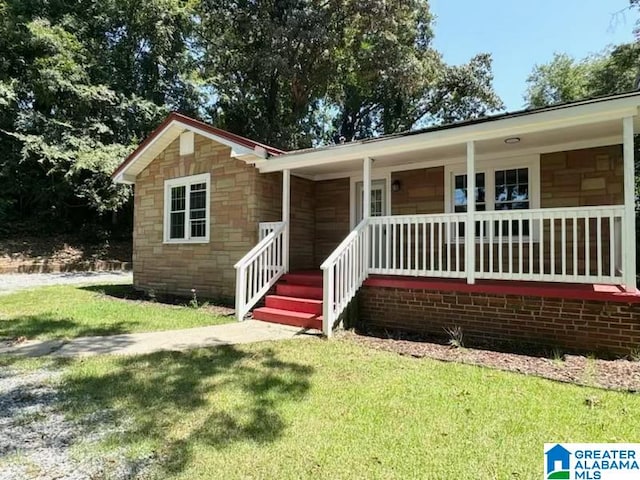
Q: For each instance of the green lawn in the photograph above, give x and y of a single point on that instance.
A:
(331, 410)
(74, 311)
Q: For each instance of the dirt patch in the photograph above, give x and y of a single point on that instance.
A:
(62, 254)
(618, 374)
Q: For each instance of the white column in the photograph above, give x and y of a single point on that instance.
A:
(366, 206)
(286, 216)
(366, 187)
(470, 224)
(629, 231)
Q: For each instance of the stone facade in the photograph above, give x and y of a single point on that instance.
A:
(579, 178)
(236, 204)
(303, 228)
(421, 191)
(332, 222)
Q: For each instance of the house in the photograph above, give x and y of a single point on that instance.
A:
(544, 254)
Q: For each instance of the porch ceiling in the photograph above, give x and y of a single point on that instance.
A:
(556, 139)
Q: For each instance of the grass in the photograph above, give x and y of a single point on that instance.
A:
(74, 311)
(332, 410)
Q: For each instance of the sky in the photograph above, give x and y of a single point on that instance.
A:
(520, 34)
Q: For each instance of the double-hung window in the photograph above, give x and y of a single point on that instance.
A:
(186, 201)
(499, 186)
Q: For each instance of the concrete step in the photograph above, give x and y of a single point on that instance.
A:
(287, 317)
(299, 291)
(304, 305)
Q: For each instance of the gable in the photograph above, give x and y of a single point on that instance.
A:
(171, 130)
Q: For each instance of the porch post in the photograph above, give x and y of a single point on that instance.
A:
(366, 206)
(286, 217)
(629, 230)
(470, 224)
(366, 187)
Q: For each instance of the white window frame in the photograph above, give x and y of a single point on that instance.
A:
(489, 167)
(187, 182)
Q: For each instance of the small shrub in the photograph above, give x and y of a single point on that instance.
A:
(194, 303)
(455, 336)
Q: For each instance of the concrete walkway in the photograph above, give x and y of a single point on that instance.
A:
(248, 331)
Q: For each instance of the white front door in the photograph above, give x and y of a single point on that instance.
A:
(378, 209)
(378, 199)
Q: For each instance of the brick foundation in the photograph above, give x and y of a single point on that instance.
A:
(572, 324)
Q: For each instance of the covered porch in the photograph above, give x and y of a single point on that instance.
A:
(554, 202)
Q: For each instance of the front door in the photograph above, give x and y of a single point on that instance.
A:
(378, 199)
(378, 209)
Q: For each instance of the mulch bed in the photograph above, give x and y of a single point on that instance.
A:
(618, 374)
(130, 294)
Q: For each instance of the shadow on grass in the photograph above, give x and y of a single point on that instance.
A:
(128, 292)
(52, 326)
(123, 291)
(186, 401)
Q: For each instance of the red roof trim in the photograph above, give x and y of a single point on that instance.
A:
(192, 122)
(604, 293)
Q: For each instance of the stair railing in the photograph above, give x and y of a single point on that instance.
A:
(343, 273)
(259, 270)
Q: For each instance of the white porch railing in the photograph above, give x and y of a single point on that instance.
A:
(343, 273)
(259, 269)
(420, 245)
(265, 228)
(578, 245)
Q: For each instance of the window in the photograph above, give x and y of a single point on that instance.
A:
(512, 193)
(510, 184)
(512, 189)
(186, 202)
(460, 198)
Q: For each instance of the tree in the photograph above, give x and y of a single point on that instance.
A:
(367, 66)
(390, 77)
(566, 79)
(80, 85)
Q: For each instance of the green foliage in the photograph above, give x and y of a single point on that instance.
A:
(80, 86)
(391, 79)
(82, 83)
(367, 67)
(566, 79)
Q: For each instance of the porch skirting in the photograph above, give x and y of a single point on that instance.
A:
(574, 318)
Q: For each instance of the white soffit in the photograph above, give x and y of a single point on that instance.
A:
(580, 115)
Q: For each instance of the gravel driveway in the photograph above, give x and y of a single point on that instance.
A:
(13, 282)
(38, 441)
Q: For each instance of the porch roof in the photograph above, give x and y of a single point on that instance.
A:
(580, 124)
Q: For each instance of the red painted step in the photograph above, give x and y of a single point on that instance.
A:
(303, 305)
(299, 291)
(303, 278)
(287, 317)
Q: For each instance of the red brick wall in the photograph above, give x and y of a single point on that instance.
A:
(573, 325)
